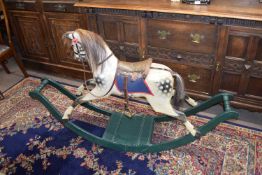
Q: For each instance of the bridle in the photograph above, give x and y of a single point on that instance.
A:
(79, 49)
(82, 57)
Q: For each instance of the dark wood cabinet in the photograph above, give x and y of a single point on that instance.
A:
(214, 50)
(28, 27)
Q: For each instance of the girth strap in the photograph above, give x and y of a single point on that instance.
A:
(126, 91)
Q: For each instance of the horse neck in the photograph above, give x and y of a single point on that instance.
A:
(108, 68)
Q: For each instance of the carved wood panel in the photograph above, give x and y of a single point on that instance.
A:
(237, 46)
(177, 16)
(259, 50)
(254, 86)
(29, 31)
(234, 65)
(122, 34)
(181, 57)
(60, 23)
(124, 51)
(242, 70)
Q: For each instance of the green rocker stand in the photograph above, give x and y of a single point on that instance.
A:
(134, 134)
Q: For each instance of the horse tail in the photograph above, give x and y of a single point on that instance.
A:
(179, 90)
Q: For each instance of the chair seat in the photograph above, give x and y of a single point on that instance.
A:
(1, 96)
(4, 49)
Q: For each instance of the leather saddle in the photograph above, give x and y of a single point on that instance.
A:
(134, 70)
(129, 68)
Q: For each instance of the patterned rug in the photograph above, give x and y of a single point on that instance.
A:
(33, 142)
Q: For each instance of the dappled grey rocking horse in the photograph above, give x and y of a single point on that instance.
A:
(145, 79)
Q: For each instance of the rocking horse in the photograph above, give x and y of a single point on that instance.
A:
(152, 81)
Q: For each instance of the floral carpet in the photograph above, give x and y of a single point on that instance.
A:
(33, 142)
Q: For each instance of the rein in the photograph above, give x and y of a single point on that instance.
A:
(105, 59)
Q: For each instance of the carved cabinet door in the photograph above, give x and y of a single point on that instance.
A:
(121, 34)
(242, 69)
(59, 23)
(28, 29)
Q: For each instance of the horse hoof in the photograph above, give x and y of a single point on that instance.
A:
(65, 117)
(65, 120)
(78, 94)
(127, 114)
(198, 134)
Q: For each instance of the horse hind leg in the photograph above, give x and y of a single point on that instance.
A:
(166, 108)
(190, 127)
(70, 109)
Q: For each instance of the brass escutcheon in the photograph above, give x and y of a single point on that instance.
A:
(193, 77)
(196, 38)
(162, 34)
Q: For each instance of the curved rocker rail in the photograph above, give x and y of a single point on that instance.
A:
(112, 139)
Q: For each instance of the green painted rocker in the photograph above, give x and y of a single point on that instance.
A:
(145, 79)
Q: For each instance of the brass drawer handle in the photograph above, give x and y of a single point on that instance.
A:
(141, 52)
(121, 47)
(20, 5)
(179, 57)
(193, 78)
(196, 37)
(60, 7)
(217, 67)
(247, 66)
(162, 34)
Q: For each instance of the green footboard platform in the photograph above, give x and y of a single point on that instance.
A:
(134, 134)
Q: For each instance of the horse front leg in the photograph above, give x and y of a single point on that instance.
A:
(78, 101)
(80, 90)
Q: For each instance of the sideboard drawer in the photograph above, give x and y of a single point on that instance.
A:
(196, 79)
(184, 36)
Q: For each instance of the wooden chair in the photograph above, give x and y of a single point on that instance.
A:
(8, 50)
(1, 96)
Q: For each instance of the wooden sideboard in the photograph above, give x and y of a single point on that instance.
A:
(215, 48)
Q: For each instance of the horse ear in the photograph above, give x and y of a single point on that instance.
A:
(68, 35)
(67, 43)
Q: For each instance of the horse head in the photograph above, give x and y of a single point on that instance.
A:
(88, 47)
